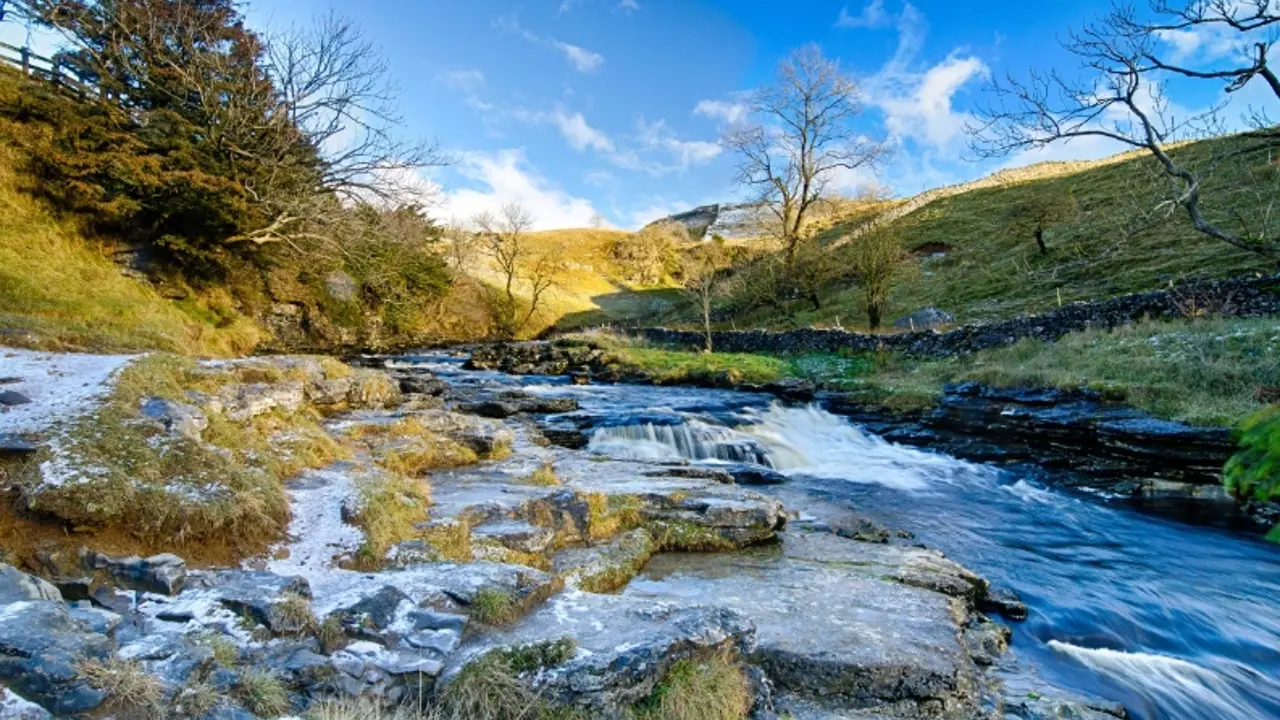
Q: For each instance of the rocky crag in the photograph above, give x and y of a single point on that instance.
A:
(574, 582)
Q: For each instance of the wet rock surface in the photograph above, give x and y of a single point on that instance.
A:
(609, 570)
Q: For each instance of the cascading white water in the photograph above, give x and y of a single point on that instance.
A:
(689, 440)
(802, 441)
(1183, 689)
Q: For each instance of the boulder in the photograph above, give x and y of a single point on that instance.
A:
(17, 586)
(41, 649)
(163, 574)
(10, 398)
(623, 646)
(341, 286)
(177, 418)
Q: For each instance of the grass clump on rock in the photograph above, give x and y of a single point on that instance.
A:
(409, 447)
(117, 471)
(490, 687)
(388, 508)
(608, 515)
(129, 688)
(714, 687)
(494, 607)
(544, 476)
(262, 693)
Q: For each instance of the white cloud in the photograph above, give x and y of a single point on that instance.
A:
(584, 60)
(684, 153)
(581, 58)
(468, 80)
(921, 106)
(872, 15)
(580, 135)
(730, 113)
(508, 177)
(628, 6)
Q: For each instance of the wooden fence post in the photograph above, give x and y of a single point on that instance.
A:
(26, 61)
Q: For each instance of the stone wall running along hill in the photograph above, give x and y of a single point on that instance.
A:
(1237, 297)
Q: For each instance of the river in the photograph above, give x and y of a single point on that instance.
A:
(1172, 620)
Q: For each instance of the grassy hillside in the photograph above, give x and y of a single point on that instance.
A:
(989, 269)
(592, 290)
(59, 290)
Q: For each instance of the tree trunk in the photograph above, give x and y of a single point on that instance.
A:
(873, 315)
(1040, 241)
(815, 300)
(706, 322)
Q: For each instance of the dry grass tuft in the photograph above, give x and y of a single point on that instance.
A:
(711, 688)
(390, 506)
(129, 688)
(544, 476)
(608, 515)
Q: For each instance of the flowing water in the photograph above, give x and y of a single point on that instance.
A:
(1170, 619)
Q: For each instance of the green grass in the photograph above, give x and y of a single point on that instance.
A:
(674, 366)
(66, 293)
(992, 270)
(1200, 372)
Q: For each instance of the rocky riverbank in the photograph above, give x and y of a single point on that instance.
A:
(511, 589)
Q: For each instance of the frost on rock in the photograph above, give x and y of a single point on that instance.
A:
(61, 386)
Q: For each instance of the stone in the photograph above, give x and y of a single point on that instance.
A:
(242, 402)
(15, 707)
(376, 611)
(177, 418)
(423, 383)
(1005, 602)
(831, 623)
(16, 586)
(99, 620)
(10, 398)
(603, 568)
(14, 444)
(624, 646)
(515, 535)
(481, 435)
(929, 318)
(565, 433)
(986, 641)
(41, 649)
(496, 409)
(793, 389)
(163, 574)
(756, 475)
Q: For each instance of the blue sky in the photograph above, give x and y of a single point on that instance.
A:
(578, 107)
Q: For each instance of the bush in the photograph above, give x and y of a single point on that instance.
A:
(1254, 471)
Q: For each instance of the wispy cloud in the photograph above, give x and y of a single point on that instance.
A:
(582, 59)
(729, 112)
(873, 15)
(467, 80)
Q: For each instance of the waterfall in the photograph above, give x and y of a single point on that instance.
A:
(687, 440)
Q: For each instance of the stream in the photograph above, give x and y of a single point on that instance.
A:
(1170, 619)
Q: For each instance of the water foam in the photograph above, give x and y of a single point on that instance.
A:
(1178, 687)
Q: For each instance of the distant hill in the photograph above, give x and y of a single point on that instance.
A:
(976, 264)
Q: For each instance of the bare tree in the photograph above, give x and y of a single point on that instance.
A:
(878, 258)
(701, 269)
(1121, 97)
(504, 238)
(336, 89)
(804, 135)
